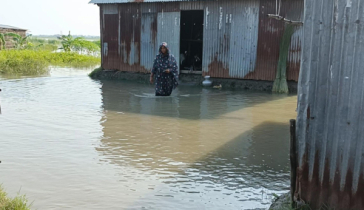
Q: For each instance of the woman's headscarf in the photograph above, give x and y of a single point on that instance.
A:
(165, 45)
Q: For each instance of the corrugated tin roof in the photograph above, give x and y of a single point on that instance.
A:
(131, 1)
(11, 27)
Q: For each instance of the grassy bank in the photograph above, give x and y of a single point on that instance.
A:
(20, 202)
(33, 62)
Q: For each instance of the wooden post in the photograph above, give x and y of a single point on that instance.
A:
(293, 158)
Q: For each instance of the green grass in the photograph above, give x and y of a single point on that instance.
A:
(36, 62)
(20, 202)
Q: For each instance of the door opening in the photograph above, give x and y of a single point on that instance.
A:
(191, 46)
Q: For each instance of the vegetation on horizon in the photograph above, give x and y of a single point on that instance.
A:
(33, 56)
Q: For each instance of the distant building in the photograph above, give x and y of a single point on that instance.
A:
(11, 29)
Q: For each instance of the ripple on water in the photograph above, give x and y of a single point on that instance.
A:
(68, 140)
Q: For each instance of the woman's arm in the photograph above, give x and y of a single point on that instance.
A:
(151, 79)
(173, 66)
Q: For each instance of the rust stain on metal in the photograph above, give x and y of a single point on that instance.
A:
(133, 68)
(154, 28)
(269, 37)
(215, 68)
(328, 194)
(130, 36)
(111, 38)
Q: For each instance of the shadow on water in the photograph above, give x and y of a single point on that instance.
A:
(186, 102)
(256, 158)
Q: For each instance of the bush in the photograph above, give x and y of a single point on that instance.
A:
(20, 202)
(35, 62)
(24, 62)
(72, 59)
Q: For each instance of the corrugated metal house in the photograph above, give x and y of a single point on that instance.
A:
(224, 39)
(11, 29)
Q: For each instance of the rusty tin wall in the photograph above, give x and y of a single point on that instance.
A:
(270, 35)
(130, 34)
(239, 40)
(230, 38)
(330, 122)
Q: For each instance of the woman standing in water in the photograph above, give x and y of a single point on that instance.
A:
(165, 72)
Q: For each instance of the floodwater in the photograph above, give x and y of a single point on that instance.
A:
(69, 142)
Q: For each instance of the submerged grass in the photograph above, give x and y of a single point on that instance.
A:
(95, 72)
(283, 202)
(31, 62)
(20, 202)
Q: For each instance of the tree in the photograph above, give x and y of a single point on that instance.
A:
(2, 41)
(82, 45)
(67, 42)
(19, 41)
(78, 44)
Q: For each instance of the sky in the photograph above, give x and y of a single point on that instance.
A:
(49, 17)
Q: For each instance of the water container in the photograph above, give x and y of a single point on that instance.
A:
(207, 82)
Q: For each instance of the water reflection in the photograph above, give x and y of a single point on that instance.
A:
(70, 142)
(218, 148)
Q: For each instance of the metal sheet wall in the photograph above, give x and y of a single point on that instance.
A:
(294, 11)
(330, 122)
(239, 40)
(130, 37)
(110, 41)
(149, 40)
(230, 38)
(244, 38)
(169, 31)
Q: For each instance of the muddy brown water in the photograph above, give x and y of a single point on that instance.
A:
(69, 142)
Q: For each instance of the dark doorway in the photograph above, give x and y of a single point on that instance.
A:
(191, 41)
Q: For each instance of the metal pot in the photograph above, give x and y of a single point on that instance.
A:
(207, 82)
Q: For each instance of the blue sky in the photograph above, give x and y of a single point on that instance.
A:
(49, 17)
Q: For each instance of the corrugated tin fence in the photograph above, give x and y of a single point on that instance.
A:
(330, 123)
(239, 39)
